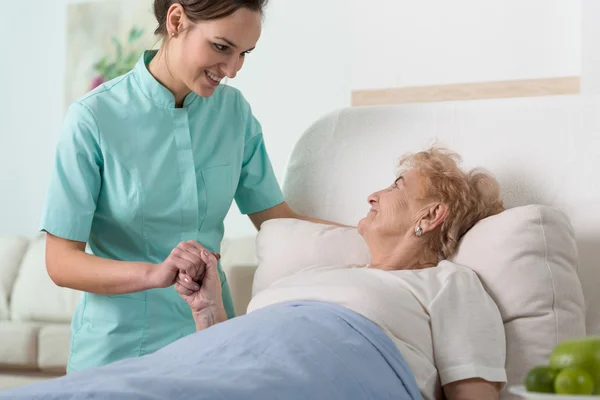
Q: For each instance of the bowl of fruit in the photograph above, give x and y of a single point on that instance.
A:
(572, 373)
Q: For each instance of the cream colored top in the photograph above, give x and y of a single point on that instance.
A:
(442, 320)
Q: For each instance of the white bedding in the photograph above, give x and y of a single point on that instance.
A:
(439, 318)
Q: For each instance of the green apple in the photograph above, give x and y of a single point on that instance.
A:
(574, 381)
(583, 353)
(541, 379)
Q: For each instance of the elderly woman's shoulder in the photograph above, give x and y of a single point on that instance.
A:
(450, 270)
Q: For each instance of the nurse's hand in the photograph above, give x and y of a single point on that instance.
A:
(207, 299)
(186, 257)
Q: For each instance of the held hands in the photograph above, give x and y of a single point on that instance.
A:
(185, 258)
(193, 270)
(205, 295)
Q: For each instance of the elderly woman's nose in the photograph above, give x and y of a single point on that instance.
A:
(373, 198)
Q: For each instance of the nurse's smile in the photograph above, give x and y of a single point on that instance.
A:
(198, 54)
(213, 79)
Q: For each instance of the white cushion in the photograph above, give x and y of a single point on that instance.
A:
(35, 296)
(14, 379)
(12, 249)
(286, 246)
(238, 251)
(238, 259)
(526, 257)
(239, 278)
(53, 347)
(18, 344)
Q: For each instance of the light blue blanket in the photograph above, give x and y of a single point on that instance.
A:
(295, 351)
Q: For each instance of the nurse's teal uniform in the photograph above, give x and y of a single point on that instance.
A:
(133, 177)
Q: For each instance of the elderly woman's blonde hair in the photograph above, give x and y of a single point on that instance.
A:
(469, 195)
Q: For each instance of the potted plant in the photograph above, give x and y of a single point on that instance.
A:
(125, 59)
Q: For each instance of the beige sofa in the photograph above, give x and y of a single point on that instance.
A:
(35, 314)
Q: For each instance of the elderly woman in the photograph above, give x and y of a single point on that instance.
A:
(408, 326)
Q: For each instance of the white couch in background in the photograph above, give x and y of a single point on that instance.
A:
(35, 314)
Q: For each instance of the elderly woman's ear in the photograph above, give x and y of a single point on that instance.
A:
(433, 216)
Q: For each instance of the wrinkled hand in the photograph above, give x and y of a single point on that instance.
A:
(186, 258)
(204, 293)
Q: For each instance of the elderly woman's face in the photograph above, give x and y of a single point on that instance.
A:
(394, 209)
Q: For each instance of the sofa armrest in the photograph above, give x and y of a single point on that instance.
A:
(240, 279)
(239, 262)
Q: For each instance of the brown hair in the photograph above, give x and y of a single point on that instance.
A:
(469, 195)
(203, 10)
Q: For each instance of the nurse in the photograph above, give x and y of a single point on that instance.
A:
(146, 169)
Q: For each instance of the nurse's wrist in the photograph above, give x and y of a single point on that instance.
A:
(149, 276)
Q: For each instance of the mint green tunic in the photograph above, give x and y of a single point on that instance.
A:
(133, 177)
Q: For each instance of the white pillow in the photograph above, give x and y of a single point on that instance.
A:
(526, 257)
(12, 249)
(35, 296)
(286, 246)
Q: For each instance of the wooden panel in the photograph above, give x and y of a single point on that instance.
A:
(468, 91)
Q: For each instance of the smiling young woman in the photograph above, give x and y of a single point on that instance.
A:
(147, 167)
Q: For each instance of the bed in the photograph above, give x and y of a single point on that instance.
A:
(539, 260)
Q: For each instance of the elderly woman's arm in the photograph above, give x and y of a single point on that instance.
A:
(468, 338)
(472, 389)
(210, 316)
(205, 297)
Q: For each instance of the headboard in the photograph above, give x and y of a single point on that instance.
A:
(543, 150)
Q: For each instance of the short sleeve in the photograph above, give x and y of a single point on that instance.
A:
(258, 189)
(75, 178)
(467, 330)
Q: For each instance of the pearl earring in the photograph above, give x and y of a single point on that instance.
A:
(419, 231)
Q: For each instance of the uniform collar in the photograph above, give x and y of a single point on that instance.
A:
(153, 89)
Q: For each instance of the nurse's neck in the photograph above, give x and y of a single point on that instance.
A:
(159, 69)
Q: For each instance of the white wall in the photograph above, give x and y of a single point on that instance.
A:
(32, 36)
(298, 72)
(312, 53)
(590, 72)
(429, 42)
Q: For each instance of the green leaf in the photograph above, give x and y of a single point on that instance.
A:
(111, 71)
(121, 69)
(100, 66)
(135, 34)
(131, 59)
(119, 47)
